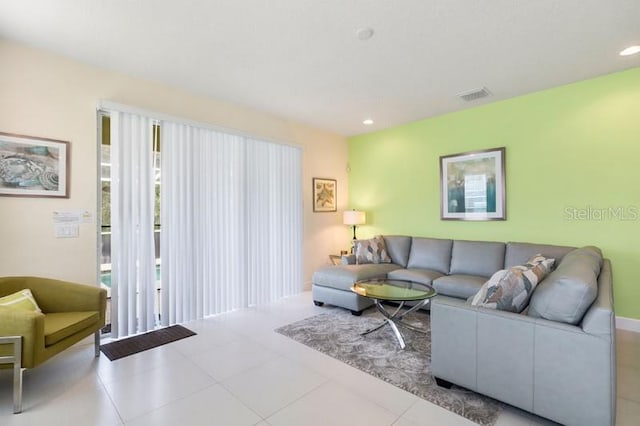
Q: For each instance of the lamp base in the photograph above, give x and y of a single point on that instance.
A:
(353, 241)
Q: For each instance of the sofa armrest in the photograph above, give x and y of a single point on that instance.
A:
(29, 325)
(348, 259)
(600, 318)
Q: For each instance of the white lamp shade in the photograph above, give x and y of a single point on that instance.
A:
(353, 217)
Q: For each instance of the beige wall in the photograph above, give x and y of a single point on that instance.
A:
(47, 95)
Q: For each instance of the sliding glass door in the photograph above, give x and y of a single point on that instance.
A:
(231, 214)
(105, 210)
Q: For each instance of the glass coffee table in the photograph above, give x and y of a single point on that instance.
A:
(398, 291)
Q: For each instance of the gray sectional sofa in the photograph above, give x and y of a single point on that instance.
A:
(555, 359)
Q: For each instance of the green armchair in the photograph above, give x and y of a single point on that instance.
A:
(70, 312)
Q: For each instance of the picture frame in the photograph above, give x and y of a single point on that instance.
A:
(325, 195)
(472, 185)
(33, 167)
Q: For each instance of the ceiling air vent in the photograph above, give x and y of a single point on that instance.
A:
(472, 95)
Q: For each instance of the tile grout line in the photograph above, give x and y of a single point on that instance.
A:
(297, 399)
(192, 364)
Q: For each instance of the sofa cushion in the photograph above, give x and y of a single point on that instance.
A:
(422, 276)
(430, 253)
(21, 300)
(398, 247)
(566, 294)
(460, 286)
(58, 326)
(518, 253)
(478, 258)
(371, 251)
(510, 289)
(342, 277)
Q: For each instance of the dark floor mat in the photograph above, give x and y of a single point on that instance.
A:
(142, 342)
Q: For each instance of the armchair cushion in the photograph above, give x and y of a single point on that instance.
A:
(22, 300)
(58, 326)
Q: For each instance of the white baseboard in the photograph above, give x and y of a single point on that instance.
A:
(629, 324)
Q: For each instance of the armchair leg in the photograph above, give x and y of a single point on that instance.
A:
(96, 339)
(16, 360)
(17, 388)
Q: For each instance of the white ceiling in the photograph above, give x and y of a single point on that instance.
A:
(301, 58)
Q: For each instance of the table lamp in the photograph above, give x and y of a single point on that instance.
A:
(353, 218)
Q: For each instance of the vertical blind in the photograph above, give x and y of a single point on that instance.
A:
(273, 221)
(231, 214)
(231, 222)
(133, 279)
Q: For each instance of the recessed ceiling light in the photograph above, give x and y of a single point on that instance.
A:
(368, 122)
(364, 33)
(631, 50)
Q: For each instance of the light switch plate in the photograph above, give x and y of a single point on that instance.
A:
(67, 230)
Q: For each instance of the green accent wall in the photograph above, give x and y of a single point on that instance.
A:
(572, 170)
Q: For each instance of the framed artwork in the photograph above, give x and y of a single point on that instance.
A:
(33, 167)
(472, 185)
(325, 194)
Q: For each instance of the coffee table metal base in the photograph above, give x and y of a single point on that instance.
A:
(395, 319)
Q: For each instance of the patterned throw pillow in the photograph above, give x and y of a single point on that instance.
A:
(371, 251)
(22, 300)
(510, 289)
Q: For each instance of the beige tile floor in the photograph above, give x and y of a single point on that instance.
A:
(237, 371)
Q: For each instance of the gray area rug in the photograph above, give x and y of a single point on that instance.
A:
(337, 334)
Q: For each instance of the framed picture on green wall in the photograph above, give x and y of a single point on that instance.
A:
(472, 185)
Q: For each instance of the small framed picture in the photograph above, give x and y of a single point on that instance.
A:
(325, 194)
(33, 167)
(472, 185)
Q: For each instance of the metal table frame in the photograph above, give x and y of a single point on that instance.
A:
(395, 319)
